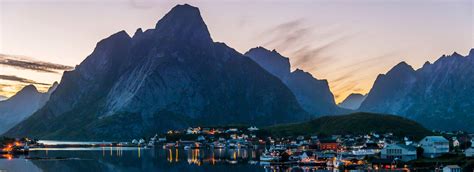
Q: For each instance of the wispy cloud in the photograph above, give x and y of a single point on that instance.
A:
(316, 54)
(307, 46)
(20, 79)
(30, 64)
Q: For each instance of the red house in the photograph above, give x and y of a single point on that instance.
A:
(328, 145)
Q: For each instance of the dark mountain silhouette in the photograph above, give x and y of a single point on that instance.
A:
(353, 101)
(312, 94)
(169, 77)
(438, 95)
(22, 105)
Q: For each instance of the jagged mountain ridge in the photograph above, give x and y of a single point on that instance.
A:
(353, 101)
(22, 105)
(169, 77)
(312, 94)
(438, 95)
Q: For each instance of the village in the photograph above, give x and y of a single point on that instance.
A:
(447, 151)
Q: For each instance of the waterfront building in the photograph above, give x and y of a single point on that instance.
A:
(434, 146)
(399, 152)
(452, 168)
(328, 145)
(469, 152)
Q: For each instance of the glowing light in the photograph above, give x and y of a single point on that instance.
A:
(176, 159)
(139, 151)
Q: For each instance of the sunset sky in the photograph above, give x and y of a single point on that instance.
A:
(346, 42)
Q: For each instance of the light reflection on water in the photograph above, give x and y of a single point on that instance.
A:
(140, 159)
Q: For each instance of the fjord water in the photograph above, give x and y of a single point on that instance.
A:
(132, 159)
(135, 159)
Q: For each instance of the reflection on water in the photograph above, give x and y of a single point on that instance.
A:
(140, 159)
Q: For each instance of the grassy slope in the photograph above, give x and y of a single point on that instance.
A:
(356, 123)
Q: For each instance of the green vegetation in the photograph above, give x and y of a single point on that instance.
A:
(356, 123)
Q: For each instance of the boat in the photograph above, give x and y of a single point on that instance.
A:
(231, 146)
(219, 146)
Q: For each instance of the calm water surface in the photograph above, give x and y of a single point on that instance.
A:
(139, 159)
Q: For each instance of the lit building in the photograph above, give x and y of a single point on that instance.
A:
(399, 151)
(434, 146)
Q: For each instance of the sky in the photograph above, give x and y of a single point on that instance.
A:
(346, 42)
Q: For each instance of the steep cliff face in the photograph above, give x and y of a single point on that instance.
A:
(22, 105)
(172, 76)
(438, 95)
(312, 94)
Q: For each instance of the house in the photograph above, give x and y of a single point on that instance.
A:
(252, 128)
(434, 146)
(328, 145)
(452, 168)
(201, 139)
(469, 152)
(455, 142)
(232, 130)
(206, 131)
(398, 151)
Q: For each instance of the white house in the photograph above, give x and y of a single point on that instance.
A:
(434, 146)
(456, 143)
(469, 152)
(252, 128)
(452, 168)
(399, 151)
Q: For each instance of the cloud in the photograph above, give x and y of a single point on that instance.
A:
(20, 79)
(286, 35)
(307, 46)
(30, 64)
(315, 54)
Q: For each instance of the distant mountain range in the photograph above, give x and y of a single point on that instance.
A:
(312, 94)
(439, 95)
(353, 101)
(22, 105)
(173, 76)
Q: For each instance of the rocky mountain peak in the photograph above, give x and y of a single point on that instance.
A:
(29, 89)
(183, 24)
(401, 68)
(273, 61)
(53, 87)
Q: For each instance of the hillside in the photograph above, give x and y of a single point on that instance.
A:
(438, 95)
(22, 105)
(355, 123)
(171, 76)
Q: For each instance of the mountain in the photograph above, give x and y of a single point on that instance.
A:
(353, 101)
(169, 77)
(22, 105)
(439, 95)
(312, 94)
(356, 123)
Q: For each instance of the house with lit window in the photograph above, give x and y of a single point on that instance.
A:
(328, 145)
(398, 152)
(434, 146)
